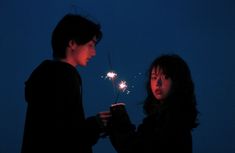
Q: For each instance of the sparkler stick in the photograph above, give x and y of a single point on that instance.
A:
(111, 74)
(116, 100)
(122, 87)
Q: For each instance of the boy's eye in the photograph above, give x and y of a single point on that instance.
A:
(92, 45)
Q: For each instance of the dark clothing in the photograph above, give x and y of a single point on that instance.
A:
(161, 132)
(55, 120)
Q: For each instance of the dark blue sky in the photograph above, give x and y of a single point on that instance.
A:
(135, 32)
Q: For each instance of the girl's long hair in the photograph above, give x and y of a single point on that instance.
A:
(182, 99)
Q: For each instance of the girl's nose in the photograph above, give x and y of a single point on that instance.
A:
(159, 82)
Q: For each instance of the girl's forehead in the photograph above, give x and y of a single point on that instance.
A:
(156, 70)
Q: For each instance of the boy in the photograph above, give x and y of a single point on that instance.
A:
(55, 120)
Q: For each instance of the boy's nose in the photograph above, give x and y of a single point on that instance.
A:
(93, 53)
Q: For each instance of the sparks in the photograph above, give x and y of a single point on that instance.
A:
(111, 75)
(122, 85)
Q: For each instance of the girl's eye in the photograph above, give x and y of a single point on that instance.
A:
(153, 77)
(164, 77)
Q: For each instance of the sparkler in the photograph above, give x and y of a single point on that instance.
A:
(112, 75)
(122, 86)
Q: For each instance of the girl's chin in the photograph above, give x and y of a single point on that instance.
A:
(159, 97)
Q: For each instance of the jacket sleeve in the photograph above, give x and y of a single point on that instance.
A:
(94, 128)
(152, 135)
(121, 132)
(71, 118)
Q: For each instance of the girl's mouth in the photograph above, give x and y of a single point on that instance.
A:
(158, 92)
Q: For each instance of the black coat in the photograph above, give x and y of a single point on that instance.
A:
(161, 132)
(55, 120)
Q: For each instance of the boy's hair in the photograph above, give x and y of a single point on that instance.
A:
(73, 27)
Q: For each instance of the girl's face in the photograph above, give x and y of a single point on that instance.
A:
(160, 84)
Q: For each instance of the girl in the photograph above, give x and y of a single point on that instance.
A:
(170, 108)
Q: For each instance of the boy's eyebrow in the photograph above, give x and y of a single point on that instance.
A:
(94, 40)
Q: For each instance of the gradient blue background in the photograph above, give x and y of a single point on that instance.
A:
(135, 32)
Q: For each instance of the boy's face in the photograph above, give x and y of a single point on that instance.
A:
(81, 54)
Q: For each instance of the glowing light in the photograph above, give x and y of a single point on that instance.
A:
(122, 85)
(111, 75)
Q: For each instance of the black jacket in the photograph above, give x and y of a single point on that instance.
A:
(55, 120)
(161, 132)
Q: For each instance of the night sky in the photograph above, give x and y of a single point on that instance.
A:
(135, 32)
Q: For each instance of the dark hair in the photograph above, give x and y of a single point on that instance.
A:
(73, 27)
(181, 100)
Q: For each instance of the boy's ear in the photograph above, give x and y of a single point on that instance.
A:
(72, 44)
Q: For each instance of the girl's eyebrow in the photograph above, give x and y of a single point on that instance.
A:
(153, 73)
(157, 74)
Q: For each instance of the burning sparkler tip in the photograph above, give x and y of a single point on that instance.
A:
(111, 75)
(123, 85)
